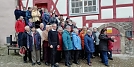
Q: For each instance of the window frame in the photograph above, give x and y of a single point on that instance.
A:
(83, 13)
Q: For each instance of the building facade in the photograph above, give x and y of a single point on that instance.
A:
(115, 15)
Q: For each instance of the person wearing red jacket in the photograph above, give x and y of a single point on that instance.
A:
(59, 50)
(20, 28)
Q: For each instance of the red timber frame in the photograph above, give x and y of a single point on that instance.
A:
(21, 4)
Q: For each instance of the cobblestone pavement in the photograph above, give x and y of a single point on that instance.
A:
(13, 60)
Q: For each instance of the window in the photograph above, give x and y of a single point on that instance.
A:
(83, 7)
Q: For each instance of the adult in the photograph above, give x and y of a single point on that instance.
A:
(19, 27)
(30, 23)
(96, 35)
(35, 14)
(36, 46)
(53, 40)
(89, 45)
(45, 18)
(24, 13)
(82, 35)
(67, 45)
(53, 19)
(46, 50)
(103, 46)
(25, 42)
(59, 50)
(76, 45)
(17, 13)
(28, 15)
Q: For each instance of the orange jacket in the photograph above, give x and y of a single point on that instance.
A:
(60, 42)
(82, 35)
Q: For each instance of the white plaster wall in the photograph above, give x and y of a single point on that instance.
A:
(30, 4)
(78, 21)
(107, 13)
(7, 19)
(93, 17)
(62, 6)
(24, 2)
(124, 12)
(106, 2)
(54, 1)
(97, 24)
(123, 2)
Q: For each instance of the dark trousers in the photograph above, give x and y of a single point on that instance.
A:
(89, 55)
(104, 57)
(58, 56)
(83, 54)
(20, 39)
(27, 54)
(53, 55)
(96, 53)
(76, 55)
(46, 52)
(67, 56)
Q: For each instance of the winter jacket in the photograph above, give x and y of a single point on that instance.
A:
(89, 43)
(17, 13)
(82, 35)
(60, 42)
(36, 16)
(38, 41)
(45, 18)
(67, 42)
(19, 26)
(103, 44)
(28, 16)
(53, 20)
(76, 42)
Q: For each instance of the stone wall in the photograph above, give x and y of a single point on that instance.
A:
(7, 19)
(126, 45)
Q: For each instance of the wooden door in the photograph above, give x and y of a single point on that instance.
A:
(111, 31)
(41, 5)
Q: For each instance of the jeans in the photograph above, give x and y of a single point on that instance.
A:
(105, 57)
(67, 56)
(20, 39)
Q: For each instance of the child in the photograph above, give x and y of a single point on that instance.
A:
(30, 23)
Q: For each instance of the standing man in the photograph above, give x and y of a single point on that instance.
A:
(36, 46)
(53, 40)
(45, 18)
(17, 13)
(26, 42)
(67, 45)
(19, 27)
(28, 15)
(96, 44)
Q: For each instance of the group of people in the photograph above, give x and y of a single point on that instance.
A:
(59, 38)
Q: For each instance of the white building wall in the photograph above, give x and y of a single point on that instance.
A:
(62, 6)
(124, 2)
(107, 13)
(106, 2)
(7, 19)
(124, 12)
(30, 4)
(93, 17)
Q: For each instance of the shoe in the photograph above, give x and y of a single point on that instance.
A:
(52, 66)
(69, 63)
(56, 65)
(106, 65)
(33, 64)
(38, 63)
(25, 61)
(89, 64)
(110, 58)
(47, 64)
(76, 62)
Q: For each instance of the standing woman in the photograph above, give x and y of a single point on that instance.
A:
(59, 50)
(82, 34)
(35, 14)
(76, 45)
(89, 45)
(103, 46)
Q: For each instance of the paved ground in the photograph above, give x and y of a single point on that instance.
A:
(13, 60)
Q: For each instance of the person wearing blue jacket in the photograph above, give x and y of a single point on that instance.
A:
(67, 45)
(89, 45)
(45, 18)
(28, 15)
(76, 45)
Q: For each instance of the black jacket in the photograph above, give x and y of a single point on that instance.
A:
(103, 44)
